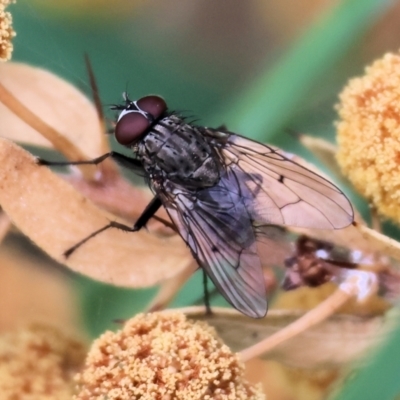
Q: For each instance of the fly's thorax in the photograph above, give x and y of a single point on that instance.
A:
(179, 152)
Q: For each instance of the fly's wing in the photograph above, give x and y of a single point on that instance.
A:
(216, 225)
(282, 192)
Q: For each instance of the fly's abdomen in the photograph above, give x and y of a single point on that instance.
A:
(180, 153)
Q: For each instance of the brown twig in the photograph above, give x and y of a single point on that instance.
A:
(59, 142)
(313, 317)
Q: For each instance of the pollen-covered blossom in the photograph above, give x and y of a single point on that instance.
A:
(369, 134)
(6, 31)
(163, 356)
(38, 362)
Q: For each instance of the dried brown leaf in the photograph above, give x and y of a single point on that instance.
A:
(53, 100)
(325, 151)
(337, 341)
(51, 213)
(379, 241)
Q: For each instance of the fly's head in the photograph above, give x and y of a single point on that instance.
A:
(137, 117)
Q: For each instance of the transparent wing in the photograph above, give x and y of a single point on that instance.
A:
(216, 226)
(279, 190)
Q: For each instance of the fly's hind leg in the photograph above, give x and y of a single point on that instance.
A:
(148, 213)
(206, 297)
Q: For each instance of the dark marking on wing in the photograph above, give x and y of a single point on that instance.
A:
(286, 192)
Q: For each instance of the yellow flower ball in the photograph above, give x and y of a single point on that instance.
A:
(163, 356)
(369, 134)
(38, 362)
(6, 31)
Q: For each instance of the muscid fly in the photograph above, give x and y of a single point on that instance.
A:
(222, 192)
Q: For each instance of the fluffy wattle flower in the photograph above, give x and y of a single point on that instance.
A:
(163, 356)
(369, 134)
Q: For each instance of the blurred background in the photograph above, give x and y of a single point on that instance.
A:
(262, 68)
(204, 56)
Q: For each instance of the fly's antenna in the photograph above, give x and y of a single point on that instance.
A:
(125, 94)
(118, 107)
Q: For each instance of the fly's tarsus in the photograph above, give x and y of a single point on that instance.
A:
(117, 157)
(94, 161)
(112, 224)
(148, 213)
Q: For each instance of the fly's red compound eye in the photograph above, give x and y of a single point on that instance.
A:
(154, 105)
(131, 127)
(133, 124)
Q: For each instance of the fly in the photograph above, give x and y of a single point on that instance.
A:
(223, 192)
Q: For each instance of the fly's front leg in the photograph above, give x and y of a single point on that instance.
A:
(119, 158)
(124, 161)
(149, 212)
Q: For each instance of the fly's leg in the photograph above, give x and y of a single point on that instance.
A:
(119, 158)
(149, 211)
(206, 293)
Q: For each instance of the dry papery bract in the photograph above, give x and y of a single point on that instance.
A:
(163, 356)
(335, 342)
(53, 214)
(57, 103)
